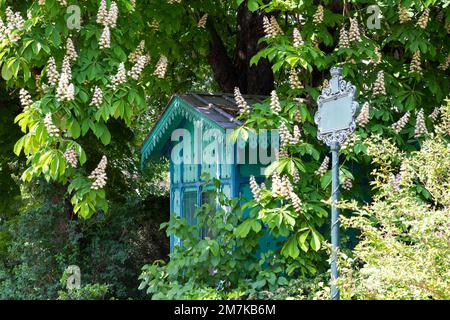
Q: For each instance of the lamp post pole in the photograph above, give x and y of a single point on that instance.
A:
(334, 219)
(335, 118)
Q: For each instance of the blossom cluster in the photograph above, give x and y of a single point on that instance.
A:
(421, 128)
(423, 20)
(240, 101)
(65, 90)
(161, 67)
(343, 39)
(97, 98)
(99, 174)
(400, 124)
(52, 130)
(275, 105)
(271, 27)
(140, 64)
(119, 78)
(71, 157)
(107, 18)
(294, 80)
(14, 24)
(403, 14)
(378, 86)
(363, 117)
(70, 50)
(415, 63)
(202, 21)
(25, 99)
(282, 187)
(323, 167)
(354, 34)
(138, 52)
(297, 38)
(318, 15)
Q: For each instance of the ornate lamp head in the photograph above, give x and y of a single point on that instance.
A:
(337, 110)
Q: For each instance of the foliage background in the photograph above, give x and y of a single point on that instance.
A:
(233, 40)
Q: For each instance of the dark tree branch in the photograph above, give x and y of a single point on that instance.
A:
(256, 79)
(221, 64)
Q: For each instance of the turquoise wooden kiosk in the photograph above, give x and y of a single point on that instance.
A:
(202, 117)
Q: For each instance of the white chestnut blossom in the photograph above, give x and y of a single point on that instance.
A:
(401, 123)
(421, 128)
(97, 98)
(296, 202)
(415, 63)
(99, 175)
(294, 80)
(65, 90)
(202, 21)
(133, 56)
(113, 14)
(119, 78)
(240, 101)
(271, 27)
(136, 70)
(161, 67)
(296, 136)
(71, 157)
(254, 187)
(403, 14)
(14, 24)
(435, 114)
(378, 56)
(52, 73)
(276, 185)
(297, 38)
(105, 38)
(102, 13)
(25, 99)
(323, 167)
(66, 68)
(354, 35)
(343, 38)
(52, 130)
(70, 50)
(285, 136)
(347, 185)
(378, 86)
(275, 105)
(423, 20)
(363, 117)
(318, 16)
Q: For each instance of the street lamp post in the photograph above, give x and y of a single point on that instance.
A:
(335, 119)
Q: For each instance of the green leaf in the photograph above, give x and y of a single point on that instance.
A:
(6, 72)
(256, 226)
(106, 137)
(19, 145)
(302, 240)
(214, 247)
(290, 248)
(315, 240)
(253, 5)
(75, 129)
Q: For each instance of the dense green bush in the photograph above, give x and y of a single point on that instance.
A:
(109, 249)
(404, 248)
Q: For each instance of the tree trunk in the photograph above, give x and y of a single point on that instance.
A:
(257, 79)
